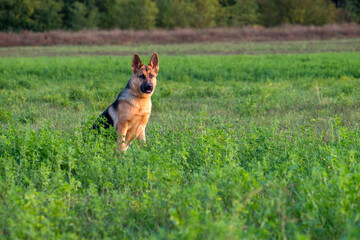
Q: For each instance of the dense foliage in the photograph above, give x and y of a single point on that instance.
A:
(239, 147)
(41, 15)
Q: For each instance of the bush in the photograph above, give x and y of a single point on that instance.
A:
(352, 9)
(181, 12)
(110, 14)
(306, 12)
(244, 12)
(186, 13)
(205, 14)
(82, 15)
(16, 14)
(137, 14)
(37, 15)
(47, 15)
(164, 18)
(175, 13)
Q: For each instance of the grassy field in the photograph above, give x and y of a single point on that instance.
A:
(239, 146)
(215, 48)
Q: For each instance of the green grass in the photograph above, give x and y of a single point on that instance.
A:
(238, 147)
(331, 45)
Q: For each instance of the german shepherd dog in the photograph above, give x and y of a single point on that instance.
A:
(131, 110)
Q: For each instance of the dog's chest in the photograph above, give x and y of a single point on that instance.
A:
(140, 117)
(144, 109)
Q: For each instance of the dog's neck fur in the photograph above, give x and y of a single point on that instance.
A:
(130, 99)
(133, 97)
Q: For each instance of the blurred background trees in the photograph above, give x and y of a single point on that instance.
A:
(41, 15)
(303, 12)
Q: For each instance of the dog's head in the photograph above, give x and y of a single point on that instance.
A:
(144, 77)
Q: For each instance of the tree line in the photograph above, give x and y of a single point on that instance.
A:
(42, 15)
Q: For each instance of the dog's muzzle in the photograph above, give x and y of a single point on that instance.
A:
(147, 88)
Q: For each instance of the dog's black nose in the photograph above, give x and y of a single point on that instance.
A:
(147, 88)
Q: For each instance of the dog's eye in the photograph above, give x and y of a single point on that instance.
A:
(142, 76)
(151, 76)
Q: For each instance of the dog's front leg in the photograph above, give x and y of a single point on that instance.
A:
(122, 130)
(141, 137)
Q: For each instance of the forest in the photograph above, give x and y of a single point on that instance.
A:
(44, 15)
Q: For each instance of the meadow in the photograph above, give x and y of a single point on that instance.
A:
(214, 48)
(238, 146)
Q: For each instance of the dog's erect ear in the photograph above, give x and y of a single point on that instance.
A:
(154, 62)
(136, 63)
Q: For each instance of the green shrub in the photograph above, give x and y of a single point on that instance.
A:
(138, 14)
(16, 14)
(244, 12)
(80, 15)
(47, 15)
(275, 12)
(352, 11)
(110, 14)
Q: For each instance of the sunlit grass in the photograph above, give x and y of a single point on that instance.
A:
(241, 47)
(238, 147)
